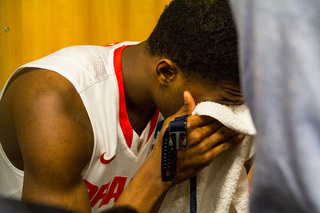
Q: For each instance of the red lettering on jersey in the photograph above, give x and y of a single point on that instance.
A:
(92, 189)
(116, 188)
(105, 193)
(102, 193)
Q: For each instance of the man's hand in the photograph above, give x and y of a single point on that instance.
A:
(206, 139)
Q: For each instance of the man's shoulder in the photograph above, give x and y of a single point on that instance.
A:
(37, 85)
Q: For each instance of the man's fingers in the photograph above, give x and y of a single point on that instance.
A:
(196, 136)
(196, 121)
(209, 136)
(204, 154)
(214, 152)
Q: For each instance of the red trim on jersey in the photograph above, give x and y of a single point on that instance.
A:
(153, 123)
(123, 116)
(112, 44)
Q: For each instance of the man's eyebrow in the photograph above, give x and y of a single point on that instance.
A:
(234, 92)
(226, 100)
(238, 95)
(231, 90)
(229, 101)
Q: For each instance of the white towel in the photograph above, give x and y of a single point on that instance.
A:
(236, 117)
(223, 186)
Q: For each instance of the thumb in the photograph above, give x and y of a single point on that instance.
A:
(188, 106)
(186, 109)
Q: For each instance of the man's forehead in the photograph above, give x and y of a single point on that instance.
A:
(227, 94)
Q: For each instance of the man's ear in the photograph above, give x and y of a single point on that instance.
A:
(166, 71)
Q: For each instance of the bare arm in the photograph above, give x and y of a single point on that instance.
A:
(55, 138)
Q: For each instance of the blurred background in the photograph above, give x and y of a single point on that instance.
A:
(31, 29)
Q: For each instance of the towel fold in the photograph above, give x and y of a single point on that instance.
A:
(236, 117)
(223, 186)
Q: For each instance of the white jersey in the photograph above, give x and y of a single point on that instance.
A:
(118, 152)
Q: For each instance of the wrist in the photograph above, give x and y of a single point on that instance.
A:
(146, 190)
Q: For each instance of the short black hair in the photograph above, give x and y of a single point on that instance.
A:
(200, 37)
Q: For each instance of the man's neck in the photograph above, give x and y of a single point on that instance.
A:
(136, 64)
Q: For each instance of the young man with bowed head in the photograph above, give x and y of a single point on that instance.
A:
(77, 126)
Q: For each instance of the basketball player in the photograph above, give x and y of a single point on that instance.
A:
(77, 126)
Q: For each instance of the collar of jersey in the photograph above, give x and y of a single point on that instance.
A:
(123, 115)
